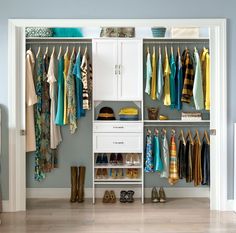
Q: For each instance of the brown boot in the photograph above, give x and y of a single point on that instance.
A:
(74, 178)
(81, 184)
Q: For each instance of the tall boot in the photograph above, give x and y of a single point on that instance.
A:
(81, 184)
(74, 188)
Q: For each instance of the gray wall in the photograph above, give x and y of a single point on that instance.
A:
(111, 9)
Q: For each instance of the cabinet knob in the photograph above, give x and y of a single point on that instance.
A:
(118, 143)
(119, 70)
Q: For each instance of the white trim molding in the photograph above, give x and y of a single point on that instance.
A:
(65, 192)
(16, 50)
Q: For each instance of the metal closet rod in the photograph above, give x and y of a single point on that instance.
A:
(175, 125)
(57, 42)
(176, 42)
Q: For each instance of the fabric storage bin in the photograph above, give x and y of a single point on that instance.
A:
(185, 32)
(38, 32)
(158, 31)
(117, 32)
(67, 32)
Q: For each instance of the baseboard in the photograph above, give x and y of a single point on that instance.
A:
(65, 192)
(5, 206)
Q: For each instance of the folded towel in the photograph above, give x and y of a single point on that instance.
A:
(128, 111)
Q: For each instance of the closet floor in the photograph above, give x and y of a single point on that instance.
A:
(177, 215)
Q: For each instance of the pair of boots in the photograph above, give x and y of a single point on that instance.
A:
(77, 184)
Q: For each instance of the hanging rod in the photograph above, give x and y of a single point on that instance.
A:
(176, 125)
(176, 42)
(58, 42)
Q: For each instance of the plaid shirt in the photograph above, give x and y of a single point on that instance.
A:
(188, 76)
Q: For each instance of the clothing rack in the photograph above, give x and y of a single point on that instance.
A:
(176, 125)
(58, 42)
(176, 42)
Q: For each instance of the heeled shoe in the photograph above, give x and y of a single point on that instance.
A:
(113, 173)
(112, 197)
(99, 173)
(119, 159)
(113, 159)
(136, 159)
(130, 196)
(99, 160)
(155, 195)
(104, 173)
(104, 159)
(120, 174)
(129, 159)
(123, 196)
(106, 197)
(162, 195)
(129, 173)
(135, 173)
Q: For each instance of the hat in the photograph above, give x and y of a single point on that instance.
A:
(106, 113)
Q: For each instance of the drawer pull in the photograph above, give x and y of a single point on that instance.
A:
(118, 127)
(118, 143)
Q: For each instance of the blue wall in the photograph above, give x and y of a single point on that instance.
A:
(113, 9)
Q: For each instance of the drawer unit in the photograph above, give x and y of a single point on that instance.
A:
(118, 142)
(118, 127)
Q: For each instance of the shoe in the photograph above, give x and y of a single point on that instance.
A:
(104, 173)
(129, 173)
(162, 195)
(106, 197)
(119, 174)
(123, 196)
(113, 173)
(99, 173)
(74, 184)
(119, 159)
(136, 159)
(130, 196)
(104, 159)
(81, 180)
(113, 159)
(129, 159)
(112, 197)
(99, 160)
(135, 173)
(155, 195)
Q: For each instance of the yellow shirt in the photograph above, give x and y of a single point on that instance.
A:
(154, 77)
(66, 67)
(167, 72)
(205, 60)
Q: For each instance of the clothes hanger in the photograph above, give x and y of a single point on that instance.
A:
(166, 51)
(73, 52)
(67, 51)
(46, 52)
(53, 51)
(189, 135)
(197, 137)
(59, 53)
(78, 52)
(159, 50)
(164, 131)
(147, 49)
(39, 49)
(181, 136)
(156, 132)
(205, 136)
(149, 132)
(172, 132)
(172, 50)
(85, 51)
(153, 50)
(178, 51)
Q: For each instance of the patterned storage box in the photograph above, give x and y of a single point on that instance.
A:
(38, 32)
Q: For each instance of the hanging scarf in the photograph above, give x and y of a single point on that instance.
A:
(181, 160)
(173, 176)
(189, 161)
(205, 160)
(197, 163)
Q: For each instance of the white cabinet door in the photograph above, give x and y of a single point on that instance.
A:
(130, 59)
(104, 69)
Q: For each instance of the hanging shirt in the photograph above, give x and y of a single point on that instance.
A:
(181, 160)
(148, 74)
(205, 160)
(160, 80)
(197, 175)
(188, 74)
(84, 72)
(205, 60)
(60, 90)
(167, 72)
(55, 134)
(39, 174)
(31, 100)
(80, 112)
(65, 73)
(172, 80)
(71, 99)
(148, 153)
(154, 76)
(165, 157)
(158, 165)
(178, 83)
(198, 85)
(173, 172)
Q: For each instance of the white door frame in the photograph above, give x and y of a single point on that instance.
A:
(16, 71)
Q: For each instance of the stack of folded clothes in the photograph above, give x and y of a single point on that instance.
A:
(129, 114)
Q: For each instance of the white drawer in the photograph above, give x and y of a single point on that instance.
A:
(119, 142)
(118, 127)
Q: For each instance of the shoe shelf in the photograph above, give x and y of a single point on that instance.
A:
(117, 166)
(108, 180)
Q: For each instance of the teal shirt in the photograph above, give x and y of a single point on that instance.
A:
(172, 81)
(148, 74)
(60, 98)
